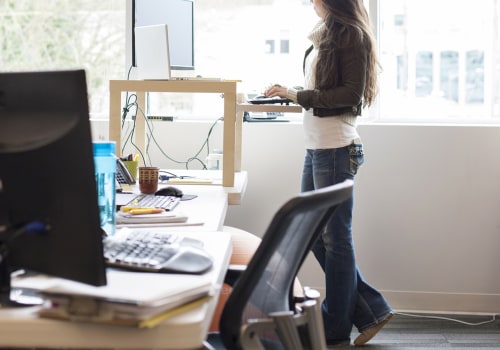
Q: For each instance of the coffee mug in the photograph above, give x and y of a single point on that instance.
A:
(148, 179)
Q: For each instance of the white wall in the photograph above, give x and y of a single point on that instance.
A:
(427, 205)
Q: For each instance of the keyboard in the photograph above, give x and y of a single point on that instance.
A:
(151, 251)
(261, 100)
(167, 203)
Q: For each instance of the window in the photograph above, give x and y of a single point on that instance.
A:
(448, 75)
(66, 34)
(474, 78)
(270, 46)
(423, 74)
(440, 60)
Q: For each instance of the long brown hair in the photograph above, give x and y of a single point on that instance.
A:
(347, 24)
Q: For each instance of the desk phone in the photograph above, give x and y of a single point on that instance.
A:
(123, 176)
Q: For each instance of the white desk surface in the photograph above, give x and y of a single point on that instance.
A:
(20, 327)
(209, 208)
(234, 194)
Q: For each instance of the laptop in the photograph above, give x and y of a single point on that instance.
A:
(152, 54)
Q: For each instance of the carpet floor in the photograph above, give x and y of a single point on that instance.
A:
(422, 331)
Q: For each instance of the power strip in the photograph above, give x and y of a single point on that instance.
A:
(164, 118)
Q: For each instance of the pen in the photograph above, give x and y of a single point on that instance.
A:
(141, 211)
(126, 208)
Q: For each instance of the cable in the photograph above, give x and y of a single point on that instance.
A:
(131, 101)
(138, 109)
(36, 226)
(195, 157)
(493, 319)
(125, 109)
(190, 159)
(208, 136)
(171, 175)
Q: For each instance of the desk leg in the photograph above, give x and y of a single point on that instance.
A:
(238, 135)
(140, 123)
(115, 115)
(228, 156)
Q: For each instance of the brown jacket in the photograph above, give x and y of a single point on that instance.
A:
(346, 94)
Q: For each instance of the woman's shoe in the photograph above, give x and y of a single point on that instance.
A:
(338, 344)
(369, 333)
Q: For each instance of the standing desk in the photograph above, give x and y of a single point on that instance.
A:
(232, 125)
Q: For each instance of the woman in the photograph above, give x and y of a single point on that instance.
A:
(340, 70)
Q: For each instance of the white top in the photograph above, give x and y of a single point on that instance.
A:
(324, 132)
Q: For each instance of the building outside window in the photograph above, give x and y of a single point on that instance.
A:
(440, 61)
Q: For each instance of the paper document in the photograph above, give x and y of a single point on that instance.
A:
(164, 217)
(127, 296)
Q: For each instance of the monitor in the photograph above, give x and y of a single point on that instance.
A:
(178, 15)
(49, 218)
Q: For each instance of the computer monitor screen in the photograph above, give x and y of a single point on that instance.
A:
(178, 15)
(49, 218)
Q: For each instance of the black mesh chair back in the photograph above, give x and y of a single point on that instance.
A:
(266, 286)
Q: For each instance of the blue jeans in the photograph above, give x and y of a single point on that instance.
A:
(349, 300)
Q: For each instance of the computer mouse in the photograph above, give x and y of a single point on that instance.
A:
(169, 191)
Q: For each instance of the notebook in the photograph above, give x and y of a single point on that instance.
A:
(152, 54)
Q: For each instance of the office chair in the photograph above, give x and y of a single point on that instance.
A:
(261, 312)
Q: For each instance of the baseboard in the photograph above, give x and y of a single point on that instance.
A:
(447, 303)
(459, 303)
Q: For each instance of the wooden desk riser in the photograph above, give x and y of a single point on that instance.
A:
(20, 327)
(232, 125)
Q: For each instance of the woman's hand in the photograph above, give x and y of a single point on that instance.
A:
(276, 90)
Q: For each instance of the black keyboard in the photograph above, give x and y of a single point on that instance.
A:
(261, 100)
(151, 251)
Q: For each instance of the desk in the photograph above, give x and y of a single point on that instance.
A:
(210, 207)
(232, 126)
(234, 193)
(22, 328)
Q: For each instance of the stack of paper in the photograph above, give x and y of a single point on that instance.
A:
(135, 299)
(163, 217)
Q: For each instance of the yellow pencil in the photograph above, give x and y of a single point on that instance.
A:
(142, 211)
